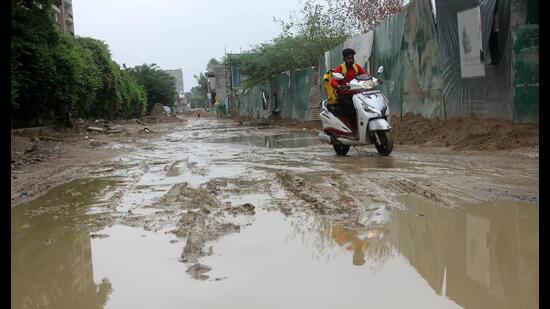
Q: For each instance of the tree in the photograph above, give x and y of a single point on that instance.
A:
(305, 37)
(158, 84)
(319, 19)
(55, 76)
(34, 70)
(211, 63)
(198, 96)
(369, 13)
(134, 96)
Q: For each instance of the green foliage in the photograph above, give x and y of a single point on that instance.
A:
(220, 109)
(304, 39)
(212, 62)
(33, 61)
(158, 84)
(197, 97)
(134, 96)
(285, 53)
(55, 77)
(319, 26)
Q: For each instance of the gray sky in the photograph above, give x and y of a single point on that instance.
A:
(179, 33)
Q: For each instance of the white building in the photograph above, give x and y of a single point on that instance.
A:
(177, 74)
(63, 15)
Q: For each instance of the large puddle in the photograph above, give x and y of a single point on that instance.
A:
(290, 140)
(69, 252)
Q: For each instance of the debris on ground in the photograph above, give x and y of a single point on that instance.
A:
(96, 129)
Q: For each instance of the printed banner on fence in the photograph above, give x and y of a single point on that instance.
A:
(470, 44)
(362, 44)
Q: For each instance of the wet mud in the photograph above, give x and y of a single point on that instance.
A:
(214, 206)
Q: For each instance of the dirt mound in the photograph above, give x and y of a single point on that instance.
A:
(161, 114)
(464, 133)
(158, 110)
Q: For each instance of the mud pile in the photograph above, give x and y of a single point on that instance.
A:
(464, 133)
(200, 218)
(458, 133)
(159, 114)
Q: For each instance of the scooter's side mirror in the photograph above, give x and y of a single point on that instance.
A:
(337, 76)
(380, 70)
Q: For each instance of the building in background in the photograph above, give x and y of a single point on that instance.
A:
(218, 84)
(177, 74)
(63, 15)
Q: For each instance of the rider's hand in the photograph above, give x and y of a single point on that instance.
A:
(380, 81)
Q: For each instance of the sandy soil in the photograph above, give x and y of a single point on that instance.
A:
(302, 181)
(464, 133)
(457, 134)
(44, 157)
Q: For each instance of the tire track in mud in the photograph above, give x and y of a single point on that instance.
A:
(345, 193)
(337, 198)
(404, 186)
(198, 216)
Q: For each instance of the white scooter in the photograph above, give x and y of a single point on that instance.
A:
(373, 117)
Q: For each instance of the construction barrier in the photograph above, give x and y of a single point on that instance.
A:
(457, 59)
(286, 95)
(526, 73)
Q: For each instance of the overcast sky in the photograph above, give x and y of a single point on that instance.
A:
(179, 33)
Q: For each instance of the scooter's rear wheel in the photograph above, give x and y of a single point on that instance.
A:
(341, 150)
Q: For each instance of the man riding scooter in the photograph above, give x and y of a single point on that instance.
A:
(350, 69)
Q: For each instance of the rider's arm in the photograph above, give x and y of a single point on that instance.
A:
(361, 70)
(335, 83)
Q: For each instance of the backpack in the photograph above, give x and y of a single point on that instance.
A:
(327, 78)
(331, 92)
(345, 68)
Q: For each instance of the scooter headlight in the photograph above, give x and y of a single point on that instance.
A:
(368, 84)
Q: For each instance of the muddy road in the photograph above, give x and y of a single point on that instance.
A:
(220, 214)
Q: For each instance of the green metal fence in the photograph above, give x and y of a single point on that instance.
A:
(421, 55)
(285, 95)
(421, 68)
(388, 37)
(526, 73)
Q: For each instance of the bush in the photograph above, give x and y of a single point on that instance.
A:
(158, 84)
(55, 76)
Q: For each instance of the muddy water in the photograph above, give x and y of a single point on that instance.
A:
(120, 240)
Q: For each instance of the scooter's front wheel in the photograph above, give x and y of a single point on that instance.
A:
(384, 142)
(341, 150)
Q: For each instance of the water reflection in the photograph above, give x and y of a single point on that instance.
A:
(484, 256)
(293, 140)
(51, 258)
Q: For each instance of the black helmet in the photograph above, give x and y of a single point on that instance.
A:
(348, 52)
